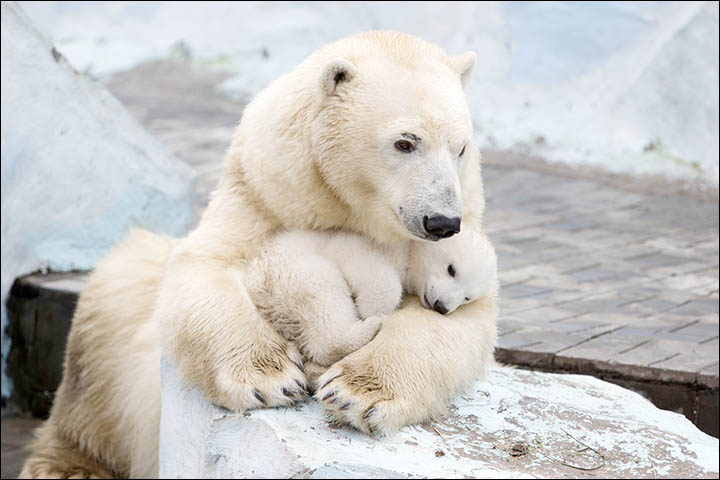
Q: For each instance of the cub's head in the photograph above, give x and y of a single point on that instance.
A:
(453, 272)
(393, 132)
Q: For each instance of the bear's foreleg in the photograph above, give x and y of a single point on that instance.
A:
(417, 362)
(220, 342)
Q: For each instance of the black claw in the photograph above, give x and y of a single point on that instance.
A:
(369, 413)
(288, 393)
(299, 365)
(301, 385)
(327, 395)
(328, 382)
(345, 406)
(259, 396)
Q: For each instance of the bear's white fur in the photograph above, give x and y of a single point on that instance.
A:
(317, 149)
(327, 291)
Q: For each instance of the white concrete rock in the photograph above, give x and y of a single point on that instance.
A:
(519, 424)
(77, 170)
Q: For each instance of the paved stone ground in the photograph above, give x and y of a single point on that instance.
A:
(16, 433)
(596, 272)
(593, 272)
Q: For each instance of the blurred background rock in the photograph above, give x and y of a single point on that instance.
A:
(629, 87)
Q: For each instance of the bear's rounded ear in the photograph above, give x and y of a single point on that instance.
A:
(336, 72)
(464, 65)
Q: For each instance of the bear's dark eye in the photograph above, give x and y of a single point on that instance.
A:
(467, 299)
(462, 151)
(451, 270)
(404, 146)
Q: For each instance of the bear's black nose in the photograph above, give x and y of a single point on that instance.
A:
(441, 226)
(440, 307)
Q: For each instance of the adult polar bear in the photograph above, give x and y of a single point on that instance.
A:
(370, 134)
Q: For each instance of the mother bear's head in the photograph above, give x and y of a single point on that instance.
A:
(376, 123)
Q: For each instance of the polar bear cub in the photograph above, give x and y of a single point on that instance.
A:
(326, 291)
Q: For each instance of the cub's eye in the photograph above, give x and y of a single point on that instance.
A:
(451, 270)
(404, 146)
(462, 151)
(467, 299)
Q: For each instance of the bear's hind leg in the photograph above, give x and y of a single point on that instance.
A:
(54, 457)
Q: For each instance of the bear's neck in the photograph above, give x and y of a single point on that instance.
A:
(242, 214)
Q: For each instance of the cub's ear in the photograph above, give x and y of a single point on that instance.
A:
(336, 72)
(464, 65)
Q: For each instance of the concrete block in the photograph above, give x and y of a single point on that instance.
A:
(524, 290)
(548, 314)
(40, 308)
(699, 306)
(707, 411)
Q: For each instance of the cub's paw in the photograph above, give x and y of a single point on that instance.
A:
(353, 394)
(370, 327)
(272, 378)
(357, 335)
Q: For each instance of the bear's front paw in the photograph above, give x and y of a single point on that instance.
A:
(353, 394)
(273, 378)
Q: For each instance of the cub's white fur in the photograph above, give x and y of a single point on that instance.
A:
(327, 291)
(324, 291)
(470, 258)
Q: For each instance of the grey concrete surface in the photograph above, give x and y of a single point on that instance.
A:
(16, 434)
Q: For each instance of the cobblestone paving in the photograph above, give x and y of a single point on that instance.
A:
(588, 271)
(593, 272)
(16, 434)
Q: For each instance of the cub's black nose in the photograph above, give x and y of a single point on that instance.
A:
(441, 226)
(440, 307)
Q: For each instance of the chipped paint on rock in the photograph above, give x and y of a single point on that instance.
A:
(518, 424)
